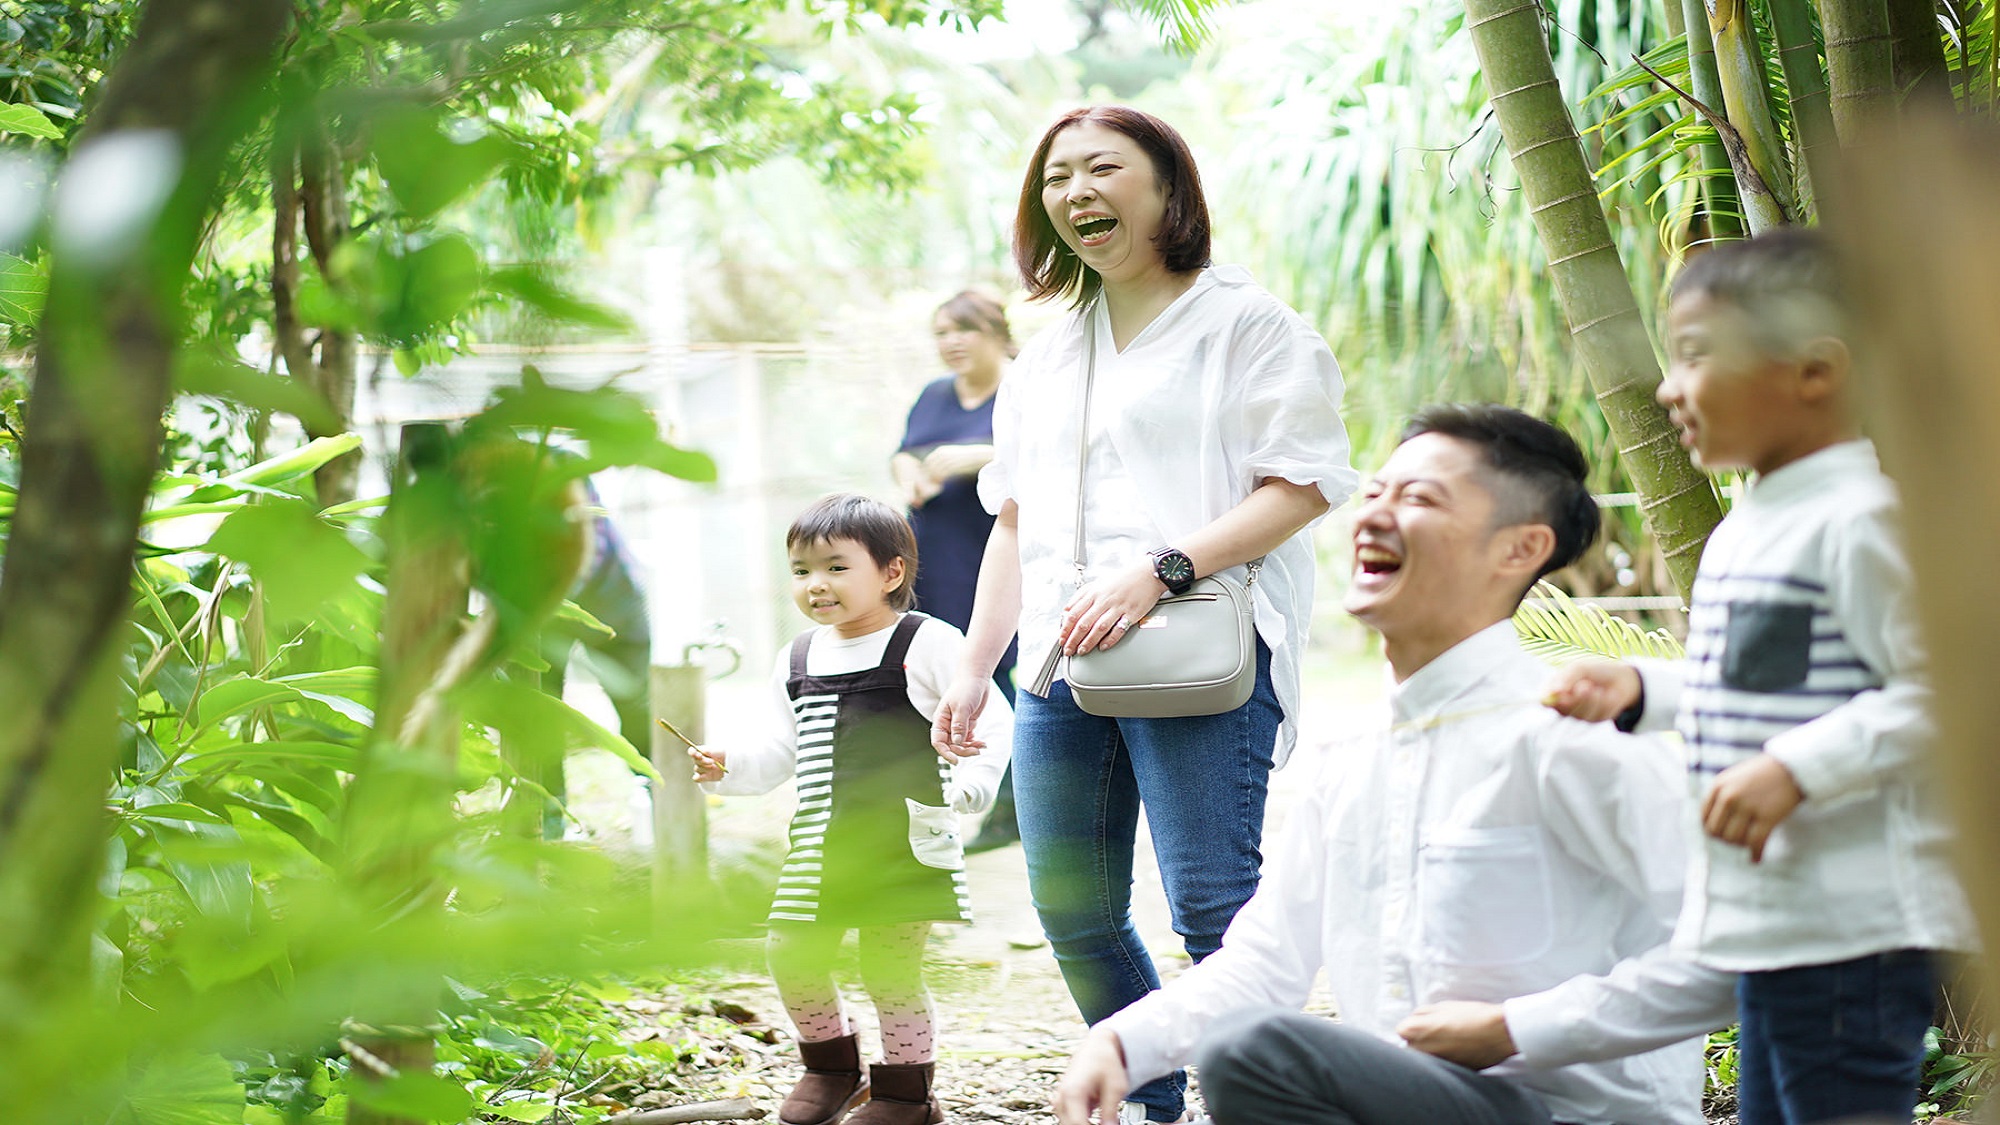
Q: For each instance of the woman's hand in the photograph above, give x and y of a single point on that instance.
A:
(957, 717)
(914, 482)
(948, 461)
(1594, 690)
(1107, 608)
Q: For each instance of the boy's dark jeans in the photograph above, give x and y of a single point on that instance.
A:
(1832, 1042)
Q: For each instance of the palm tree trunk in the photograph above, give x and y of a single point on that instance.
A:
(1860, 63)
(1812, 114)
(1746, 99)
(1725, 207)
(183, 92)
(1610, 335)
(1917, 59)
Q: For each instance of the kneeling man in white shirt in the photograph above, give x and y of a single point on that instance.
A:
(1488, 886)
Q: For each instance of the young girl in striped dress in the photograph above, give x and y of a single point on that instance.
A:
(874, 842)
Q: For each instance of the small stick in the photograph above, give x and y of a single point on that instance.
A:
(735, 1109)
(677, 734)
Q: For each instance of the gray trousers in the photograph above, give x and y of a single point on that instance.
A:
(1278, 1067)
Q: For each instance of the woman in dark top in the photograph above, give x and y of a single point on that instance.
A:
(949, 438)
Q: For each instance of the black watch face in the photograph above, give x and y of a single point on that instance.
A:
(1175, 569)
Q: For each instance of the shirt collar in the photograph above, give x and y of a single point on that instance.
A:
(1811, 472)
(1454, 673)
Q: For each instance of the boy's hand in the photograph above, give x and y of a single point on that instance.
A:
(1095, 1080)
(957, 717)
(709, 765)
(1748, 801)
(1466, 1032)
(1593, 690)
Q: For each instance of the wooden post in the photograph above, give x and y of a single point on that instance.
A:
(680, 808)
(400, 803)
(1924, 247)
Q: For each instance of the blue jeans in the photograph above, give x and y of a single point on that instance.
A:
(1079, 781)
(1832, 1042)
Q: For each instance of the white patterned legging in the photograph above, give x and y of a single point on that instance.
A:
(801, 956)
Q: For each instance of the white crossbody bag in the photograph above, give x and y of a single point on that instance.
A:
(1194, 654)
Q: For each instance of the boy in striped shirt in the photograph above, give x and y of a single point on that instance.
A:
(1822, 877)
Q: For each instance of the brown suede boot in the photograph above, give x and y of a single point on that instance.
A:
(902, 1096)
(833, 1083)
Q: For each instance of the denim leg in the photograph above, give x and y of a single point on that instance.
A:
(1204, 780)
(1756, 1070)
(1844, 1040)
(1078, 808)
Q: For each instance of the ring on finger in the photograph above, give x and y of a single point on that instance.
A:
(1124, 623)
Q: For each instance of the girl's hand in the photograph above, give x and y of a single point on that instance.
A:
(1596, 691)
(957, 718)
(1106, 609)
(709, 765)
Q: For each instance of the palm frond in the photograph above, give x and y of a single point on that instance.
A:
(1559, 629)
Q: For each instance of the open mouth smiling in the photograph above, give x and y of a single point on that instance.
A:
(1093, 230)
(1377, 561)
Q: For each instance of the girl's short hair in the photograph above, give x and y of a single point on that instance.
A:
(974, 311)
(1049, 268)
(880, 529)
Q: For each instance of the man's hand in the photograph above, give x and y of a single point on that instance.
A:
(1468, 1033)
(1095, 1080)
(1748, 801)
(957, 717)
(1593, 690)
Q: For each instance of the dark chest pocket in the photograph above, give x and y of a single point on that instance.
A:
(1769, 646)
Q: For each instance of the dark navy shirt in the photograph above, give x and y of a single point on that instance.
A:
(952, 526)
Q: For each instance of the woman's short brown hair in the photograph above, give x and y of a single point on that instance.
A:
(880, 529)
(1049, 268)
(974, 311)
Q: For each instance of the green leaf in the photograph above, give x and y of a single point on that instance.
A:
(426, 170)
(185, 1090)
(202, 373)
(522, 1111)
(176, 813)
(300, 561)
(27, 121)
(245, 693)
(421, 290)
(23, 287)
(426, 1097)
(546, 297)
(524, 712)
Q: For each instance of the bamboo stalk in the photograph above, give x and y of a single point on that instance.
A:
(1746, 99)
(1812, 112)
(1860, 63)
(1917, 56)
(1610, 335)
(1725, 205)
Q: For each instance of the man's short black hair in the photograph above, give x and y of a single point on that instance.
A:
(1543, 471)
(880, 529)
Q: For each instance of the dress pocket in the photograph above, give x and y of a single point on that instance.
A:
(934, 836)
(1485, 897)
(1769, 646)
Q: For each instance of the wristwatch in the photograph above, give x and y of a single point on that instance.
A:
(1174, 569)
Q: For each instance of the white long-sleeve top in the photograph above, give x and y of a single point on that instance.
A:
(930, 666)
(1226, 387)
(1802, 642)
(1483, 849)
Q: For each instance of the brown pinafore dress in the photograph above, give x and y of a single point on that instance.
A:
(873, 842)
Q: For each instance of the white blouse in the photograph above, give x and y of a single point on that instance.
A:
(1226, 387)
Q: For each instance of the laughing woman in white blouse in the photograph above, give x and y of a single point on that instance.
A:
(1215, 440)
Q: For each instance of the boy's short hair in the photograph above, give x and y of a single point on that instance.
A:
(1787, 282)
(1542, 468)
(880, 529)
